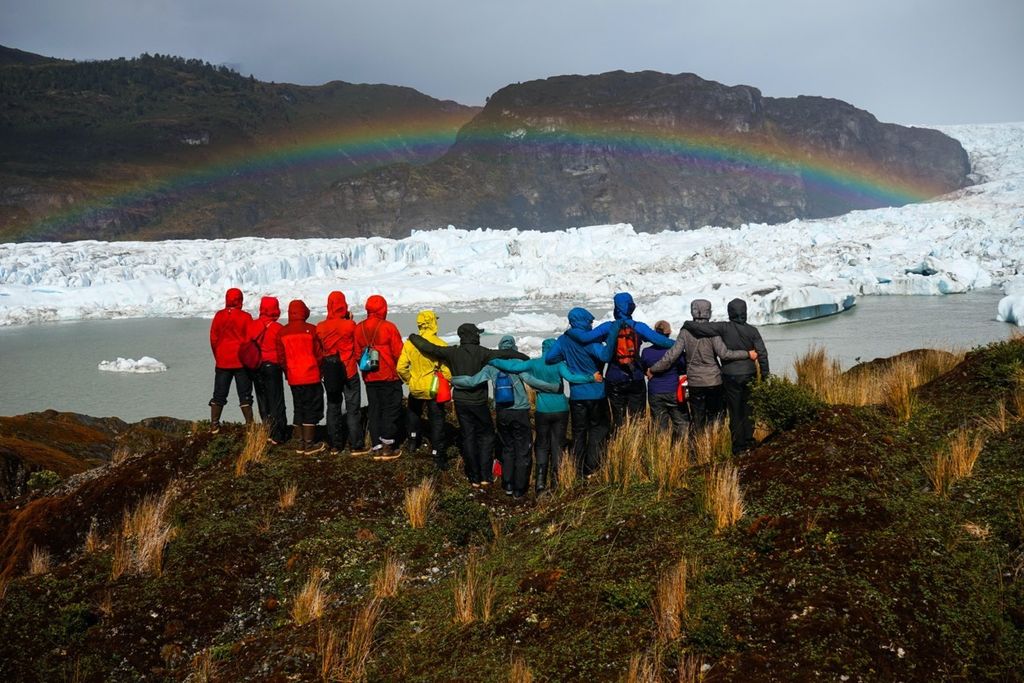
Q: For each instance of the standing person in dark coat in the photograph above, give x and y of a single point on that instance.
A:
(737, 375)
(267, 379)
(661, 388)
(624, 379)
(702, 370)
(227, 333)
(471, 404)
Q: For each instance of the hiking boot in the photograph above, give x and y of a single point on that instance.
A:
(215, 411)
(301, 448)
(314, 448)
(541, 479)
(247, 414)
(508, 489)
(360, 450)
(388, 452)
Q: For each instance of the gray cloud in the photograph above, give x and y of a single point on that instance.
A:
(911, 61)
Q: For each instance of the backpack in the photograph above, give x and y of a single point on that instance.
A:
(369, 361)
(627, 346)
(504, 394)
(249, 352)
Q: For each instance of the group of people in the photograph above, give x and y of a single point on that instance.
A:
(611, 375)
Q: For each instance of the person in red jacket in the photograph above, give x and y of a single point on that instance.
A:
(340, 376)
(227, 332)
(383, 385)
(300, 349)
(267, 378)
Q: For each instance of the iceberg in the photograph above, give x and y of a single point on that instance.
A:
(142, 366)
(1011, 310)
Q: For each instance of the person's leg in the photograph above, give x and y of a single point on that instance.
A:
(353, 416)
(580, 430)
(333, 373)
(414, 408)
(221, 386)
(542, 444)
(747, 413)
(732, 391)
(299, 415)
(698, 407)
(243, 386)
(521, 434)
(560, 423)
(314, 413)
(716, 403)
(467, 430)
(390, 414)
(485, 443)
(259, 390)
(636, 399)
(597, 436)
(438, 447)
(617, 400)
(373, 404)
(273, 382)
(506, 435)
(659, 410)
(678, 416)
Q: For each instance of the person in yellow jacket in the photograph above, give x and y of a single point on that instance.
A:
(417, 371)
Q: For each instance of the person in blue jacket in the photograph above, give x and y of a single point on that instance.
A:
(588, 405)
(512, 408)
(552, 416)
(624, 379)
(666, 411)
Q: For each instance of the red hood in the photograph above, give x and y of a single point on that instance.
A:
(233, 299)
(377, 307)
(297, 311)
(337, 306)
(270, 308)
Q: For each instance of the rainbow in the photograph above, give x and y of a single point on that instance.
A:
(364, 146)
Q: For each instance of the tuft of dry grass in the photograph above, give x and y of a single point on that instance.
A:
(712, 443)
(204, 668)
(487, 590)
(643, 669)
(5, 583)
(670, 601)
(106, 604)
(311, 599)
(419, 500)
(360, 642)
(474, 594)
(722, 497)
(641, 452)
(145, 532)
(388, 578)
(899, 387)
(568, 473)
(39, 562)
(120, 454)
(519, 671)
(121, 561)
(329, 651)
(265, 522)
(92, 538)
(955, 461)
(286, 496)
(255, 448)
(999, 421)
(690, 668)
(761, 431)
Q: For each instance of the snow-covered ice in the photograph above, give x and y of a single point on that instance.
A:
(142, 366)
(805, 268)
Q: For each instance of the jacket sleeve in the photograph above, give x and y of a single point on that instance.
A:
(554, 354)
(701, 330)
(442, 353)
(280, 355)
(469, 381)
(541, 385)
(649, 335)
(762, 353)
(723, 352)
(395, 342)
(215, 333)
(512, 365)
(671, 356)
(403, 366)
(318, 347)
(604, 352)
(589, 336)
(491, 354)
(573, 377)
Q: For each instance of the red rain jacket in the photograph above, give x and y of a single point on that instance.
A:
(267, 326)
(299, 347)
(228, 330)
(337, 332)
(384, 337)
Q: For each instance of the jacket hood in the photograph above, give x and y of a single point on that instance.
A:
(624, 306)
(581, 319)
(469, 333)
(233, 299)
(737, 309)
(507, 342)
(297, 311)
(546, 345)
(377, 307)
(337, 306)
(426, 321)
(270, 308)
(700, 309)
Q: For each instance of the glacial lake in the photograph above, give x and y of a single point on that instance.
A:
(55, 365)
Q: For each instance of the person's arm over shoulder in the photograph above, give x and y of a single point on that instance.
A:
(574, 377)
(491, 354)
(512, 365)
(606, 351)
(671, 356)
(540, 385)
(589, 336)
(762, 352)
(469, 381)
(725, 353)
(652, 336)
(700, 330)
(318, 346)
(433, 350)
(554, 354)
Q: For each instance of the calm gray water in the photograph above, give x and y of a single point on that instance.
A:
(54, 365)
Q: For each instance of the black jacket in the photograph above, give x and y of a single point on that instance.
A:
(468, 358)
(738, 336)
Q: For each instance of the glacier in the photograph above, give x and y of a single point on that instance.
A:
(969, 239)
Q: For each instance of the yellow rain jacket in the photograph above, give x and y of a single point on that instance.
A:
(414, 368)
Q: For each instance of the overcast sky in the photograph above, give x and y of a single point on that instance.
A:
(908, 61)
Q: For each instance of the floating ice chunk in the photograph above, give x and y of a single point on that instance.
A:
(525, 322)
(1011, 309)
(142, 366)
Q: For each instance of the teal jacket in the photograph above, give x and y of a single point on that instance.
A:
(547, 401)
(490, 374)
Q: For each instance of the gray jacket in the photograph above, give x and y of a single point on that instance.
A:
(702, 369)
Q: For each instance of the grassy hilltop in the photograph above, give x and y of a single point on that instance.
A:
(877, 533)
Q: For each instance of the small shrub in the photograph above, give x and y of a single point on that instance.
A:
(42, 480)
(418, 502)
(219, 448)
(39, 562)
(311, 599)
(782, 405)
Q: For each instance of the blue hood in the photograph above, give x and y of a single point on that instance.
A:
(581, 319)
(624, 306)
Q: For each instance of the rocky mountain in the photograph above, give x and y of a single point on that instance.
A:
(656, 150)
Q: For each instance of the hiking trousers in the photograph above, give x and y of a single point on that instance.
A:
(516, 447)
(550, 438)
(341, 390)
(384, 409)
(667, 413)
(222, 385)
(705, 405)
(737, 400)
(627, 399)
(477, 436)
(269, 385)
(589, 432)
(435, 424)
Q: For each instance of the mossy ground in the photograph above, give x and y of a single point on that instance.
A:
(846, 563)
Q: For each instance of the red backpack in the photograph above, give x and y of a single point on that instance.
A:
(627, 346)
